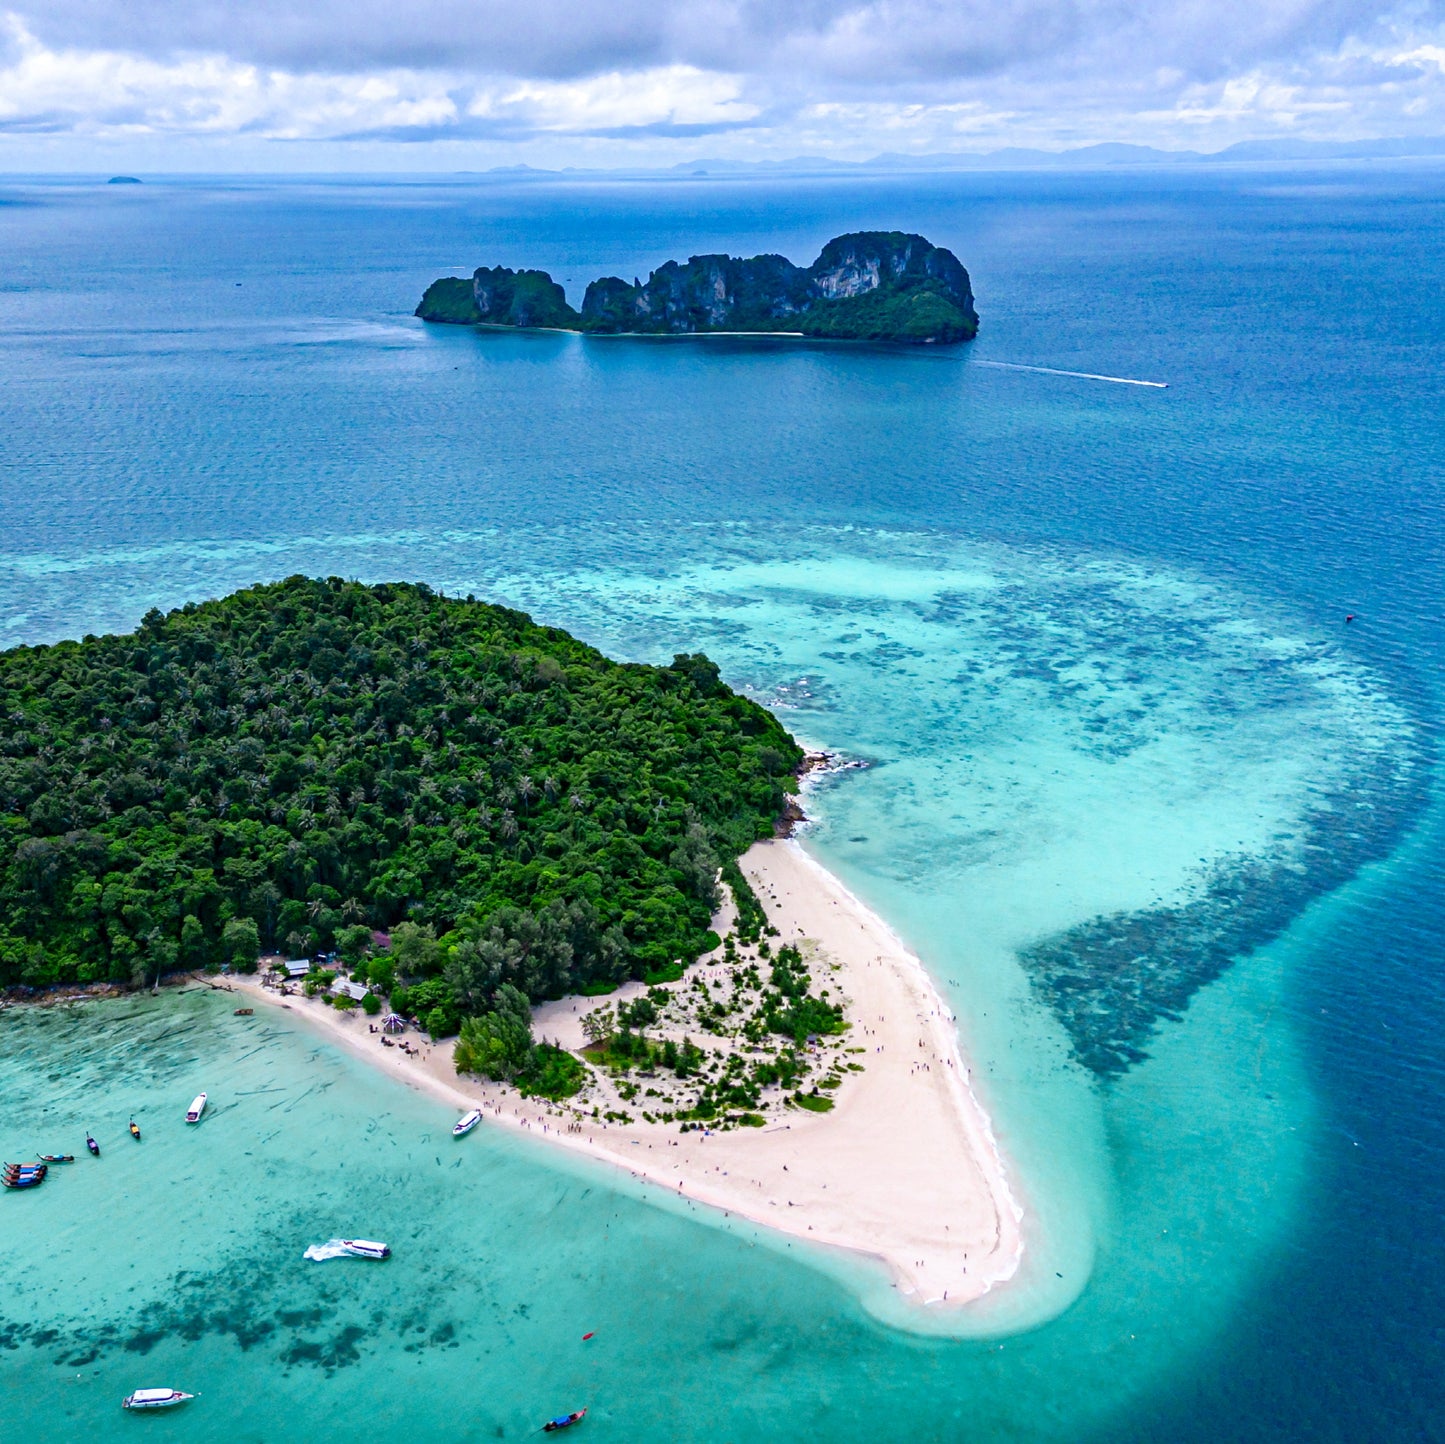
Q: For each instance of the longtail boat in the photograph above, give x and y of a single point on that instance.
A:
(565, 1422)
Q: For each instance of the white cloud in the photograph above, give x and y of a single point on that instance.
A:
(679, 97)
(549, 81)
(101, 92)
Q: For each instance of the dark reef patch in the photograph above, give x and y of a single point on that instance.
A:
(1115, 979)
(337, 1352)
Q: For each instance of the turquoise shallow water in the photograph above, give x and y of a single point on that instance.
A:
(1133, 789)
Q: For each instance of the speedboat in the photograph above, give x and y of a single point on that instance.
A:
(366, 1248)
(91, 1144)
(135, 1130)
(565, 1422)
(198, 1106)
(466, 1123)
(155, 1399)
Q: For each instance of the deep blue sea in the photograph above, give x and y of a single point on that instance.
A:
(1166, 827)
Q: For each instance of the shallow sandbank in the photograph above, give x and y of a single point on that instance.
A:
(904, 1169)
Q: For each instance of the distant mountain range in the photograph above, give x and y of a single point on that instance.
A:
(1083, 157)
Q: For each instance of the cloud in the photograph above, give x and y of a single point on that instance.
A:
(843, 76)
(858, 41)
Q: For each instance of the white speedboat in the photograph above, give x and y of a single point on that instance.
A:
(466, 1123)
(366, 1248)
(198, 1106)
(155, 1399)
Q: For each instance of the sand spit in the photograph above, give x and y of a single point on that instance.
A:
(904, 1169)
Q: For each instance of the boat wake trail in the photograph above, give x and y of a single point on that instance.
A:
(332, 1248)
(1082, 375)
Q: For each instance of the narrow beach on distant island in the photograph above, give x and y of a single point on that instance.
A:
(904, 1168)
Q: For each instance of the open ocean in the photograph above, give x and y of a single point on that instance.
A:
(1165, 827)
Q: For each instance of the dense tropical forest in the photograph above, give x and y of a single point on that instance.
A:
(432, 786)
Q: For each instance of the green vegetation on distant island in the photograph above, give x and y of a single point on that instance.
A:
(501, 298)
(448, 794)
(870, 285)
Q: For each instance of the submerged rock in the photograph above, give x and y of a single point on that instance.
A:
(870, 285)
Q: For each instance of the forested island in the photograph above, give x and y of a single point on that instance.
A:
(869, 285)
(425, 784)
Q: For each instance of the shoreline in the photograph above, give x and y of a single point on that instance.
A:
(904, 1170)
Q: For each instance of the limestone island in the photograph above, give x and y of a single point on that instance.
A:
(553, 890)
(867, 286)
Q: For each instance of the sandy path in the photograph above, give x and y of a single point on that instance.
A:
(904, 1168)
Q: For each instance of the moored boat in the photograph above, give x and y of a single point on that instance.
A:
(366, 1248)
(244, 1012)
(23, 1175)
(566, 1421)
(135, 1130)
(198, 1106)
(57, 1158)
(91, 1144)
(154, 1399)
(466, 1123)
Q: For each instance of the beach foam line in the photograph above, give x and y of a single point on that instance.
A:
(1081, 375)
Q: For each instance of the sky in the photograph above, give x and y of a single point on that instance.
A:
(439, 85)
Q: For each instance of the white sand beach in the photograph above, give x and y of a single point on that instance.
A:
(905, 1168)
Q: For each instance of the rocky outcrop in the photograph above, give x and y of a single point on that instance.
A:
(871, 285)
(498, 296)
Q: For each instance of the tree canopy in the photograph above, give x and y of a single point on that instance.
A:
(299, 760)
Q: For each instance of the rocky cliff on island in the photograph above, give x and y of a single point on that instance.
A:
(868, 286)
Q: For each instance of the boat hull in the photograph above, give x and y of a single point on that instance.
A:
(155, 1399)
(366, 1248)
